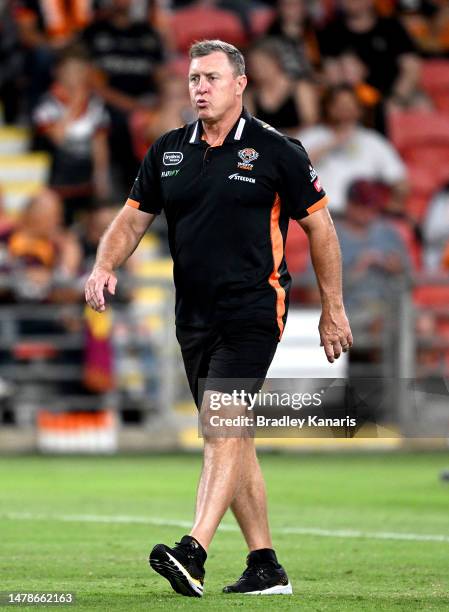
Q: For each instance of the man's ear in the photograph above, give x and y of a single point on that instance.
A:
(241, 84)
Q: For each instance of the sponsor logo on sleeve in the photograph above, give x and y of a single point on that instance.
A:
(313, 173)
(317, 185)
(172, 158)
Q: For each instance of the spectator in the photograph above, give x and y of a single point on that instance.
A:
(72, 124)
(372, 253)
(45, 27)
(436, 231)
(172, 111)
(294, 28)
(343, 151)
(43, 252)
(427, 22)
(10, 65)
(90, 230)
(128, 56)
(275, 97)
(372, 51)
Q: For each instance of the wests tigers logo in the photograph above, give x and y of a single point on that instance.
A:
(247, 156)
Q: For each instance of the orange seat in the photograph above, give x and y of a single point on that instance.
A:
(198, 23)
(30, 351)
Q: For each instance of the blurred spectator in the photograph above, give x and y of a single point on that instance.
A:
(128, 56)
(343, 150)
(172, 111)
(42, 251)
(7, 227)
(372, 52)
(46, 26)
(427, 22)
(91, 229)
(274, 96)
(72, 124)
(10, 64)
(294, 27)
(436, 231)
(373, 253)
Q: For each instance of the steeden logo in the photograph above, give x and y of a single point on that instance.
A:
(172, 158)
(237, 177)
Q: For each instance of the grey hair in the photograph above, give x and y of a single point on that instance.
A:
(206, 47)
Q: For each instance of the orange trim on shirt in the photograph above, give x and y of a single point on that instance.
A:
(132, 203)
(318, 205)
(277, 246)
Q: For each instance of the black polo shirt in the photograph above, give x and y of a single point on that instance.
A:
(227, 209)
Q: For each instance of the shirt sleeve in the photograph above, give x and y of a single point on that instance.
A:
(300, 189)
(389, 165)
(146, 192)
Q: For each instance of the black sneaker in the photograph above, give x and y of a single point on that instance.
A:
(261, 578)
(182, 565)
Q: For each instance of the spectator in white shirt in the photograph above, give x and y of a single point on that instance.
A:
(343, 151)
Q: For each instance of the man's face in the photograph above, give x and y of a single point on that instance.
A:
(357, 7)
(214, 88)
(344, 108)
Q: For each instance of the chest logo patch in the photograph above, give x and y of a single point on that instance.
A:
(247, 156)
(172, 158)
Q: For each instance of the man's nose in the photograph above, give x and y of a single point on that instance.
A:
(202, 85)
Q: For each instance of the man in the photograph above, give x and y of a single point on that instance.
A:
(373, 52)
(228, 185)
(342, 151)
(127, 56)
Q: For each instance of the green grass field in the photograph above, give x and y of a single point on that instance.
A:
(52, 537)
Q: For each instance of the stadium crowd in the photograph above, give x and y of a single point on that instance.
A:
(364, 84)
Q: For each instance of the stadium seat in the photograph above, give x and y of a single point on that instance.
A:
(435, 81)
(197, 23)
(422, 139)
(261, 19)
(34, 351)
(13, 140)
(412, 128)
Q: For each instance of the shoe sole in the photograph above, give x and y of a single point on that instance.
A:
(172, 570)
(279, 589)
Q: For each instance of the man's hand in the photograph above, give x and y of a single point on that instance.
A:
(95, 285)
(335, 333)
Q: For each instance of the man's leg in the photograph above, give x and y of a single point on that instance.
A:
(250, 502)
(223, 466)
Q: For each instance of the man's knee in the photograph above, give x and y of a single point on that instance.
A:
(221, 419)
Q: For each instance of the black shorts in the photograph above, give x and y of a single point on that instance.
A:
(232, 355)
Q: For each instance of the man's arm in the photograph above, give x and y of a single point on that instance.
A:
(335, 332)
(117, 244)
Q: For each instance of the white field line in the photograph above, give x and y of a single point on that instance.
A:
(160, 522)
